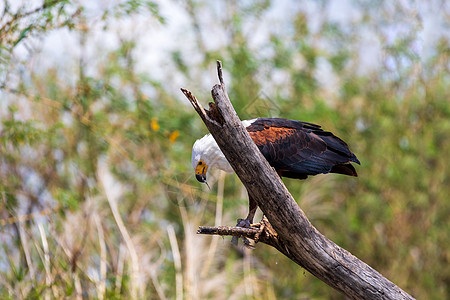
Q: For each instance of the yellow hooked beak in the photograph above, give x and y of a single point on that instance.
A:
(200, 171)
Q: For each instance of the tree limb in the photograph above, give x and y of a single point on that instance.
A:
(262, 232)
(296, 237)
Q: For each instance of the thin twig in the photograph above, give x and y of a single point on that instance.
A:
(228, 230)
(18, 16)
(197, 106)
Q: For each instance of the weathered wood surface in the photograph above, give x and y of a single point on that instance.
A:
(297, 238)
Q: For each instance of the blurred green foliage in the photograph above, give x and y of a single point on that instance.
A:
(97, 194)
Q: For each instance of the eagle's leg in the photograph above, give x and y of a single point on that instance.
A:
(252, 206)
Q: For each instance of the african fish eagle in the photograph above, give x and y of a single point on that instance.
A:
(295, 149)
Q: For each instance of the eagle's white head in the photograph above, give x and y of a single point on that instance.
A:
(206, 153)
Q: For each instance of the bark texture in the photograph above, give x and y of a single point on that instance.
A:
(294, 235)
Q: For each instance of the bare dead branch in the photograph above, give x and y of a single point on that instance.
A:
(197, 106)
(292, 233)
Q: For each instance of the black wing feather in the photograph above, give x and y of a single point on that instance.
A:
(298, 149)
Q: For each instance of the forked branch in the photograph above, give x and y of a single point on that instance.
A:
(295, 236)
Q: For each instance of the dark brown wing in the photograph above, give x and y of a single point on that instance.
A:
(297, 149)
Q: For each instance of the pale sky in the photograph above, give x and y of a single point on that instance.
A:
(155, 41)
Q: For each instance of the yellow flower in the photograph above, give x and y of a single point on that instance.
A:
(154, 124)
(173, 136)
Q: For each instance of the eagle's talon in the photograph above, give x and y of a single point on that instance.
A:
(247, 243)
(244, 223)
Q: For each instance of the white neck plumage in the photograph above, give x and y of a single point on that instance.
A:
(207, 150)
